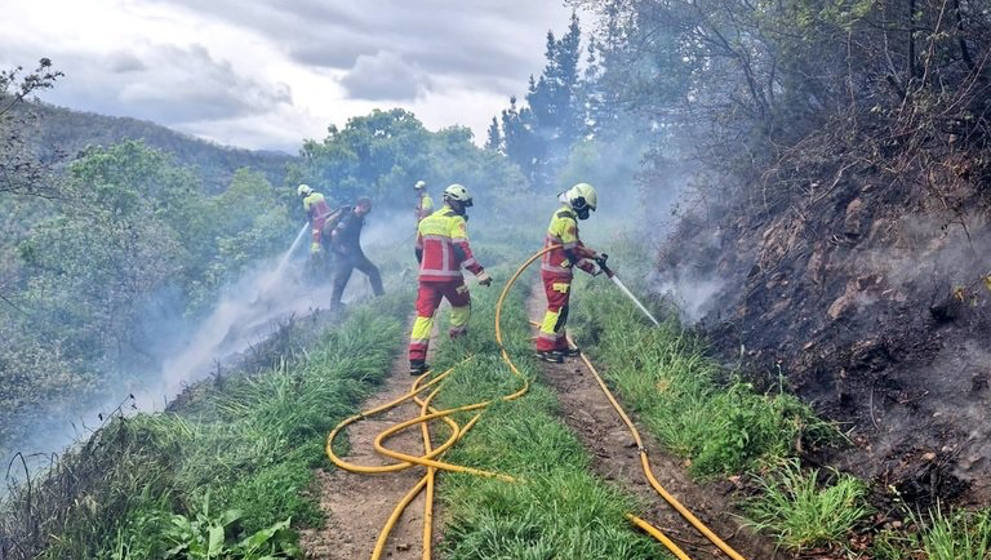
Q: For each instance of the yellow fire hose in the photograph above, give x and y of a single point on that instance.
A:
(430, 458)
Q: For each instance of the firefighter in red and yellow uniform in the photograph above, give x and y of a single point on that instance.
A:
(317, 210)
(424, 204)
(442, 249)
(557, 269)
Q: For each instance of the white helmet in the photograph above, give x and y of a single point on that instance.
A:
(458, 193)
(420, 185)
(581, 198)
(304, 190)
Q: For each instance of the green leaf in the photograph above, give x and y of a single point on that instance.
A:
(217, 539)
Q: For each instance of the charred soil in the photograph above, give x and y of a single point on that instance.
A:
(869, 296)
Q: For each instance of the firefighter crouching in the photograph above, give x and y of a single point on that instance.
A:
(442, 249)
(557, 269)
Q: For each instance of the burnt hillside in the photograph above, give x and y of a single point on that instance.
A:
(835, 226)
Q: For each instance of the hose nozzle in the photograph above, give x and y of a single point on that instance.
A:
(601, 261)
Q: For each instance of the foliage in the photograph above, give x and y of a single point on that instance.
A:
(939, 535)
(206, 536)
(130, 228)
(137, 489)
(539, 135)
(773, 95)
(801, 514)
(21, 172)
(383, 154)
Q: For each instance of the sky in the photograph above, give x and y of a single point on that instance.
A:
(266, 74)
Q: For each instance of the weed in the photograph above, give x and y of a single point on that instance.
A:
(962, 535)
(801, 514)
(207, 535)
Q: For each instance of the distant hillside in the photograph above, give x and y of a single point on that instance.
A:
(63, 132)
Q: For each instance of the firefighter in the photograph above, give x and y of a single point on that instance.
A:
(442, 250)
(345, 243)
(317, 211)
(424, 204)
(557, 269)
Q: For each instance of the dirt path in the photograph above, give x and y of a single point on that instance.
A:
(358, 505)
(615, 458)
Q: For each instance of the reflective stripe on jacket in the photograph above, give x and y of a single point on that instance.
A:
(563, 231)
(424, 207)
(316, 209)
(442, 241)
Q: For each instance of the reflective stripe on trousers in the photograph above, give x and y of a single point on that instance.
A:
(558, 292)
(428, 298)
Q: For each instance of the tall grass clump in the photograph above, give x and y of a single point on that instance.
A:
(558, 508)
(802, 513)
(962, 535)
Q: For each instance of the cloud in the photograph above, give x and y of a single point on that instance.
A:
(168, 84)
(122, 62)
(190, 85)
(258, 74)
(477, 41)
(385, 76)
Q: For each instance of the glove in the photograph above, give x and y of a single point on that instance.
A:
(484, 279)
(314, 248)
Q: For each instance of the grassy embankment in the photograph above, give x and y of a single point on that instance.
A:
(713, 418)
(722, 426)
(224, 477)
(559, 509)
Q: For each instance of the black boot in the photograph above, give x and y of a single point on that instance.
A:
(551, 356)
(572, 352)
(418, 367)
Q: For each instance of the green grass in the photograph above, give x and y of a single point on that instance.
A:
(962, 535)
(938, 535)
(715, 420)
(559, 510)
(251, 447)
(801, 513)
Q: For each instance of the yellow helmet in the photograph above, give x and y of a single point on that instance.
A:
(581, 198)
(458, 193)
(304, 190)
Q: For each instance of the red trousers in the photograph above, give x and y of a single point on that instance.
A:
(558, 291)
(428, 298)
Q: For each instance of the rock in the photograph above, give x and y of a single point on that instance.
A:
(839, 306)
(852, 221)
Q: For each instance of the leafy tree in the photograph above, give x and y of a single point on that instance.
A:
(494, 141)
(383, 154)
(129, 228)
(20, 170)
(539, 135)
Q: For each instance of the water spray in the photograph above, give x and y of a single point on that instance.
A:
(601, 261)
(292, 248)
